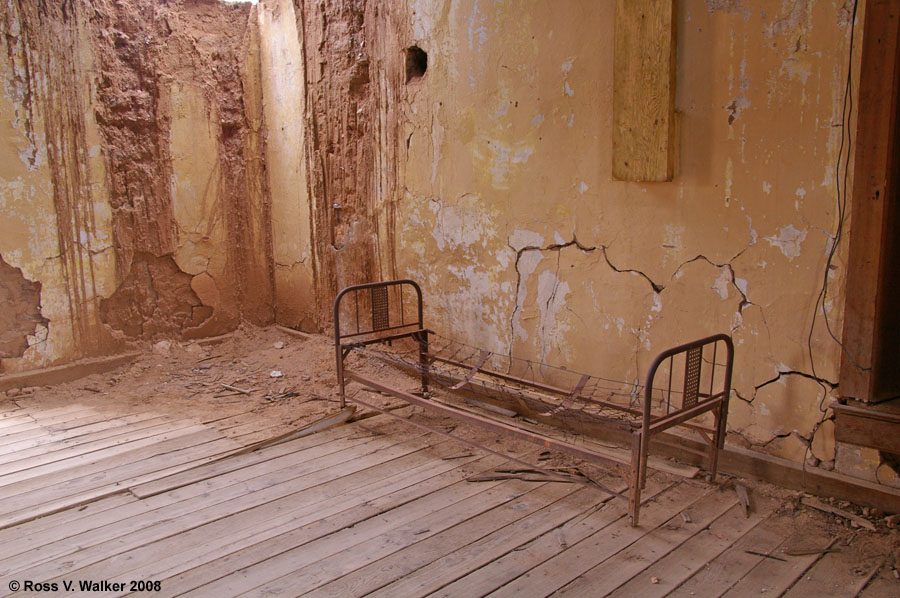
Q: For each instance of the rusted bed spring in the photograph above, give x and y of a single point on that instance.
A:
(383, 323)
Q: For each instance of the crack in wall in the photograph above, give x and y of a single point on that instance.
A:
(521, 291)
(821, 381)
(745, 302)
(524, 270)
(657, 288)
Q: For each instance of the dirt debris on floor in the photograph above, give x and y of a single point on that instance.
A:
(198, 380)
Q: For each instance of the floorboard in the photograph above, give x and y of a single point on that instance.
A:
(378, 508)
(882, 585)
(450, 567)
(837, 575)
(617, 570)
(483, 580)
(579, 558)
(689, 558)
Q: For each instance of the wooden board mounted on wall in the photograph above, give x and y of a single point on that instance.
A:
(644, 128)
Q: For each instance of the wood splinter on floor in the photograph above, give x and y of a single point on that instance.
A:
(743, 496)
(816, 504)
(766, 555)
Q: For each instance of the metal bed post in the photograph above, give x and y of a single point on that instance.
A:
(338, 349)
(721, 413)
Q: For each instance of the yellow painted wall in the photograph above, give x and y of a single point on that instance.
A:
(511, 218)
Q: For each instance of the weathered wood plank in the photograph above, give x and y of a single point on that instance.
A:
(69, 493)
(349, 515)
(837, 575)
(351, 498)
(692, 556)
(84, 465)
(773, 577)
(49, 443)
(22, 426)
(46, 530)
(575, 560)
(387, 568)
(236, 462)
(15, 420)
(883, 585)
(72, 456)
(445, 570)
(177, 511)
(730, 566)
(615, 571)
(518, 562)
(874, 430)
(644, 91)
(299, 571)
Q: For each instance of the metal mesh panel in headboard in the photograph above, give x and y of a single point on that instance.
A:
(381, 313)
(692, 365)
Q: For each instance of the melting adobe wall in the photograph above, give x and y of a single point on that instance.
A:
(328, 149)
(283, 105)
(133, 183)
(507, 211)
(56, 228)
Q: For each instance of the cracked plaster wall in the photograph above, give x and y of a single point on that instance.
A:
(488, 179)
(508, 213)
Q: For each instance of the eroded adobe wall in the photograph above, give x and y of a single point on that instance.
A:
(56, 228)
(329, 147)
(507, 212)
(133, 183)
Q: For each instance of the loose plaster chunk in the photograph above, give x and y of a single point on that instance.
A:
(21, 313)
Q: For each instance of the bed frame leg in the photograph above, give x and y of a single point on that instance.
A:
(634, 498)
(716, 443)
(340, 376)
(423, 361)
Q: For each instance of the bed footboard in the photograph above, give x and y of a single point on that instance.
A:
(684, 383)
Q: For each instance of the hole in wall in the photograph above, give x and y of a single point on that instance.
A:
(416, 63)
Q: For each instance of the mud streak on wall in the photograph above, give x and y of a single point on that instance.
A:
(44, 39)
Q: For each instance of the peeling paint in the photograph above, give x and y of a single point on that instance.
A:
(788, 240)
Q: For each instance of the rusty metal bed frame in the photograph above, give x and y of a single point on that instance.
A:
(385, 320)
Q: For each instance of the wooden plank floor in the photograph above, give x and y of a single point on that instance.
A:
(374, 508)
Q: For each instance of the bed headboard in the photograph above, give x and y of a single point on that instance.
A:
(377, 309)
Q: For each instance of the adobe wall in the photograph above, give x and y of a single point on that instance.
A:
(133, 189)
